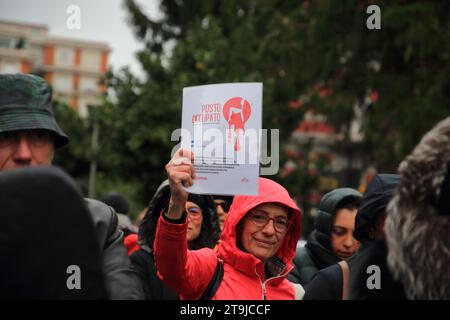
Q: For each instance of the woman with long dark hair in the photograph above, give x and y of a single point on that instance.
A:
(203, 231)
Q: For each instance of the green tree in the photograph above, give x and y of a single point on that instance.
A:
(309, 54)
(135, 131)
(405, 63)
(74, 157)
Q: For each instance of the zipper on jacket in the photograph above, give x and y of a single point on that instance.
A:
(264, 290)
(263, 283)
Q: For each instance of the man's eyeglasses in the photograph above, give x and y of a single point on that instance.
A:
(261, 219)
(194, 212)
(224, 204)
(35, 137)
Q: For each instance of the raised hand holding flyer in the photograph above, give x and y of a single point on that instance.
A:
(221, 124)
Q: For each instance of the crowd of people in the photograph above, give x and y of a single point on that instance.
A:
(389, 243)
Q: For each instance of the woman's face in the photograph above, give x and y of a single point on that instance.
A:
(264, 229)
(195, 219)
(342, 241)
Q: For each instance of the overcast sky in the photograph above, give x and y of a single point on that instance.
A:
(101, 20)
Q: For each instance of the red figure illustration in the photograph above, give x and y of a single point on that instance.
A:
(236, 111)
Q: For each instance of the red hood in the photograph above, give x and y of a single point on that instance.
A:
(131, 243)
(268, 191)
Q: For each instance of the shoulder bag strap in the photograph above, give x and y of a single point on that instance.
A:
(345, 279)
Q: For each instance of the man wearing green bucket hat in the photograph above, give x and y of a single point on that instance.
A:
(26, 115)
(29, 135)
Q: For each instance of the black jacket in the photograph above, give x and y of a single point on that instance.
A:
(122, 281)
(310, 259)
(327, 284)
(154, 289)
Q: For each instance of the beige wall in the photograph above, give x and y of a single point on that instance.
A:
(10, 66)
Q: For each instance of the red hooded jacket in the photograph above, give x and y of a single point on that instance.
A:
(189, 272)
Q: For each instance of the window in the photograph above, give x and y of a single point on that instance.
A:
(20, 44)
(64, 56)
(88, 84)
(62, 82)
(10, 67)
(5, 42)
(90, 59)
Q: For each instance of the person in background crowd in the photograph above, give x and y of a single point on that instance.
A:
(349, 279)
(140, 217)
(203, 232)
(29, 136)
(418, 218)
(131, 241)
(256, 247)
(332, 240)
(120, 204)
(223, 204)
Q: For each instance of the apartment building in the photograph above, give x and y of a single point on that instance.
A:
(75, 68)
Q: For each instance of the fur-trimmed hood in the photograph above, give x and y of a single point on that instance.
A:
(417, 231)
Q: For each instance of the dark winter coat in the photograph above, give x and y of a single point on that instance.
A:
(144, 264)
(327, 284)
(121, 281)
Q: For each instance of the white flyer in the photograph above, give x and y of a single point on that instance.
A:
(221, 124)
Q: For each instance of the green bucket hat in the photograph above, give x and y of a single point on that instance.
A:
(26, 103)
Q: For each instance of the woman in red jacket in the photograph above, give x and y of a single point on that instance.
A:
(257, 244)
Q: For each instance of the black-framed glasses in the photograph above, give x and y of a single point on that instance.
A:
(223, 203)
(261, 219)
(36, 137)
(194, 212)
